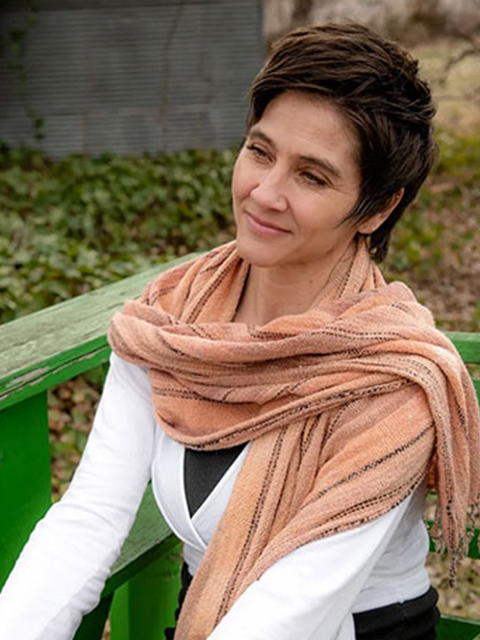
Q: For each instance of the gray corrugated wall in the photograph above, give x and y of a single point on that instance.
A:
(131, 76)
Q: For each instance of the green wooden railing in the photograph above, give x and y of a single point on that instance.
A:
(37, 353)
(56, 344)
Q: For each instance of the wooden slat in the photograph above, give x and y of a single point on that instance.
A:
(468, 345)
(25, 479)
(476, 384)
(57, 343)
(452, 628)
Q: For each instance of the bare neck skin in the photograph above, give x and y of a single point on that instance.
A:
(272, 292)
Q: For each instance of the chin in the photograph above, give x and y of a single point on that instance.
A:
(258, 253)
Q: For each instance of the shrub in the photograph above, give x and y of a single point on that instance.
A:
(68, 227)
(71, 226)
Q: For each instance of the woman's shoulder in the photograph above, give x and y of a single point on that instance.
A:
(122, 374)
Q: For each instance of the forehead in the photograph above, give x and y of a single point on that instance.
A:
(305, 124)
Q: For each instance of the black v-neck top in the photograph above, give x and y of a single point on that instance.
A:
(203, 470)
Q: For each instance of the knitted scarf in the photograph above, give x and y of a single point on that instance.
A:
(349, 407)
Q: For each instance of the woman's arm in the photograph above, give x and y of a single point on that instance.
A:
(61, 572)
(309, 593)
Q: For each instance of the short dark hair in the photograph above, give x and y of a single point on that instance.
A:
(377, 87)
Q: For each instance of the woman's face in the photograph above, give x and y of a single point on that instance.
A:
(294, 182)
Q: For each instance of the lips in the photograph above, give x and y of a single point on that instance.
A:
(267, 228)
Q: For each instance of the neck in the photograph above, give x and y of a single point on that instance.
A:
(271, 293)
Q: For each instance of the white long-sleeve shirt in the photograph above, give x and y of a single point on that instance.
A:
(310, 594)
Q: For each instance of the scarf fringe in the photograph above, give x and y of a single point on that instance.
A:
(469, 537)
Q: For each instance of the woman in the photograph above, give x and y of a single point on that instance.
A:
(288, 405)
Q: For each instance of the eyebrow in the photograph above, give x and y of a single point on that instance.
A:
(322, 163)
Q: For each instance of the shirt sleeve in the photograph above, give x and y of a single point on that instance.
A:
(309, 593)
(62, 569)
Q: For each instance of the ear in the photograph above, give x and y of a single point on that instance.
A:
(372, 224)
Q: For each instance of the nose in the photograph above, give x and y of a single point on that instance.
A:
(270, 191)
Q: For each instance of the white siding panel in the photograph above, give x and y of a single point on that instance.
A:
(132, 76)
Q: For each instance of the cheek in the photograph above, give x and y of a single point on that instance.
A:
(242, 179)
(236, 189)
(235, 181)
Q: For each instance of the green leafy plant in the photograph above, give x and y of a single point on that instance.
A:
(69, 227)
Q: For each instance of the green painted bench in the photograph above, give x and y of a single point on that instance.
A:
(38, 352)
(56, 344)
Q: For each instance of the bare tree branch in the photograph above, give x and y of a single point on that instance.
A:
(473, 50)
(466, 53)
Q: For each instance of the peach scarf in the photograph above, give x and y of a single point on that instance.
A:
(349, 407)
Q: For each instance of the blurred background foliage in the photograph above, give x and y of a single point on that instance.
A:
(71, 226)
(74, 225)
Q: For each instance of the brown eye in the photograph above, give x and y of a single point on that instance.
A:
(314, 179)
(257, 151)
